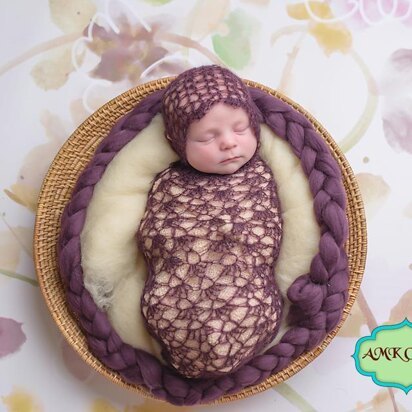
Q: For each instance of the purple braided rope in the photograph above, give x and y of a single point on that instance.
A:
(318, 297)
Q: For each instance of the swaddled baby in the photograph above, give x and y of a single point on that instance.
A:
(211, 231)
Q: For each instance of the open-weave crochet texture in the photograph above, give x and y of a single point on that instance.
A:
(210, 243)
(317, 298)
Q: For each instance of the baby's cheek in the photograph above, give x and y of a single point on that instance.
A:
(192, 151)
(205, 152)
(198, 157)
(251, 144)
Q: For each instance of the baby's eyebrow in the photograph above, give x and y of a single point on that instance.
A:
(209, 130)
(241, 122)
(202, 134)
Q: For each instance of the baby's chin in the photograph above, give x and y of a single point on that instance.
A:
(223, 169)
(229, 169)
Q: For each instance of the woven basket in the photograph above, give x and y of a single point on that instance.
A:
(56, 191)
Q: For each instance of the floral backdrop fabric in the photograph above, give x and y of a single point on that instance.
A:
(349, 63)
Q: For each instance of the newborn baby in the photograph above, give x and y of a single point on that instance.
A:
(211, 231)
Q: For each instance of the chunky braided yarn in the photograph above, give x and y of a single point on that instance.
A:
(317, 298)
(210, 244)
(191, 95)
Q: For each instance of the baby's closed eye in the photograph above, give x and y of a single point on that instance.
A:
(206, 139)
(241, 128)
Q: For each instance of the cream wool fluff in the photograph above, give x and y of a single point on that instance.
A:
(114, 269)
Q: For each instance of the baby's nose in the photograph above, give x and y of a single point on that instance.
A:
(228, 141)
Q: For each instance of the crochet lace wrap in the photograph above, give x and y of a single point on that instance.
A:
(210, 243)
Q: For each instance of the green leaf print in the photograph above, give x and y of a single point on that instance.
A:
(235, 47)
(157, 2)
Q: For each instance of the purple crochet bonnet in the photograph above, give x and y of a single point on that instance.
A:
(192, 94)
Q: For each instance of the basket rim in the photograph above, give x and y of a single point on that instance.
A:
(356, 244)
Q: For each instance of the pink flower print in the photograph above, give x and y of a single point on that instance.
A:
(362, 14)
(12, 336)
(396, 89)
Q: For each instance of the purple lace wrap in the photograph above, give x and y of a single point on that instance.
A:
(210, 244)
(317, 298)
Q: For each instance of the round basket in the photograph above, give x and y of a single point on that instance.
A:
(56, 191)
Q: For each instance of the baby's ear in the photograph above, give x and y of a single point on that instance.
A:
(168, 137)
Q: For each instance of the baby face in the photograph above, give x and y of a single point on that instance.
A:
(222, 141)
